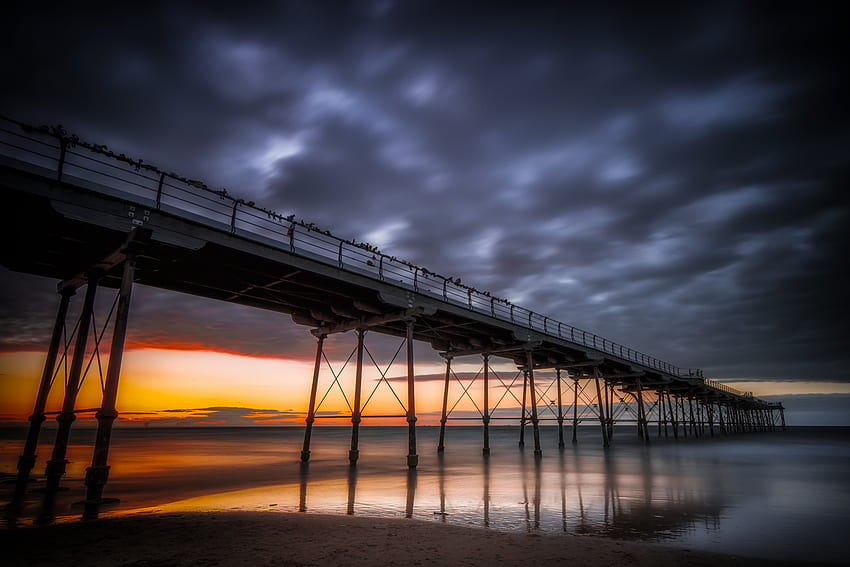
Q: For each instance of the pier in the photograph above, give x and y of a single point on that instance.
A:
(97, 221)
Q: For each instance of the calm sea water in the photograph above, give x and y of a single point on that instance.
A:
(770, 495)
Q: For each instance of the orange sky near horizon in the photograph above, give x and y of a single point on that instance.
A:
(155, 380)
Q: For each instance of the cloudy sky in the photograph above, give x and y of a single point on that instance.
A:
(672, 178)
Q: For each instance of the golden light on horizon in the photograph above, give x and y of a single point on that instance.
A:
(154, 381)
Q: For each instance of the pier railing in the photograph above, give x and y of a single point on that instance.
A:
(106, 171)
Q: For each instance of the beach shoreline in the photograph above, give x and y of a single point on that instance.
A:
(304, 539)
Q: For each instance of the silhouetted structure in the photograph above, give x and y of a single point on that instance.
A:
(81, 214)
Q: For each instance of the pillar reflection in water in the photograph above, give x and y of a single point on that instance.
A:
(411, 492)
(304, 480)
(486, 479)
(352, 490)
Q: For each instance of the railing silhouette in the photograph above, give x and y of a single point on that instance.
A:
(65, 154)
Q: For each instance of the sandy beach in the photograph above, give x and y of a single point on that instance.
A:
(289, 540)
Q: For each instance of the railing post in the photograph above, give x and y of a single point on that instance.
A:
(233, 216)
(159, 190)
(63, 148)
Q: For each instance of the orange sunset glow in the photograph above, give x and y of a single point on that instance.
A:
(160, 380)
(156, 382)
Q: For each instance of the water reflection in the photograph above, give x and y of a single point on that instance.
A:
(671, 491)
(352, 489)
(411, 493)
(613, 493)
(485, 474)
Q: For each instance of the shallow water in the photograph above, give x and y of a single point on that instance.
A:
(771, 495)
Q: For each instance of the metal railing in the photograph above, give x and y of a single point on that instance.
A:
(68, 156)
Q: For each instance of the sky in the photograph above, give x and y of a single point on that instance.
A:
(672, 177)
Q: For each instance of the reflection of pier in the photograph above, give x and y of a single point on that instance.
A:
(92, 219)
(351, 491)
(603, 495)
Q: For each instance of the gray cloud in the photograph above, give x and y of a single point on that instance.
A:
(671, 177)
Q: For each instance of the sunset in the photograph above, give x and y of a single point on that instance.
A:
(540, 270)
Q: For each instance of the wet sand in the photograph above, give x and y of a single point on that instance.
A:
(292, 539)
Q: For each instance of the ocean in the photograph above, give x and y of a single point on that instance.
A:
(776, 495)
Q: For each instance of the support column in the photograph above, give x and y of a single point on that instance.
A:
(443, 416)
(412, 457)
(535, 421)
(575, 409)
(710, 418)
(311, 409)
(693, 421)
(56, 465)
(643, 429)
(98, 473)
(782, 417)
(602, 420)
(522, 416)
(486, 419)
(27, 460)
(662, 419)
(560, 411)
(674, 422)
(354, 453)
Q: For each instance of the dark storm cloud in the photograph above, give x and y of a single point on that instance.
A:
(672, 178)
